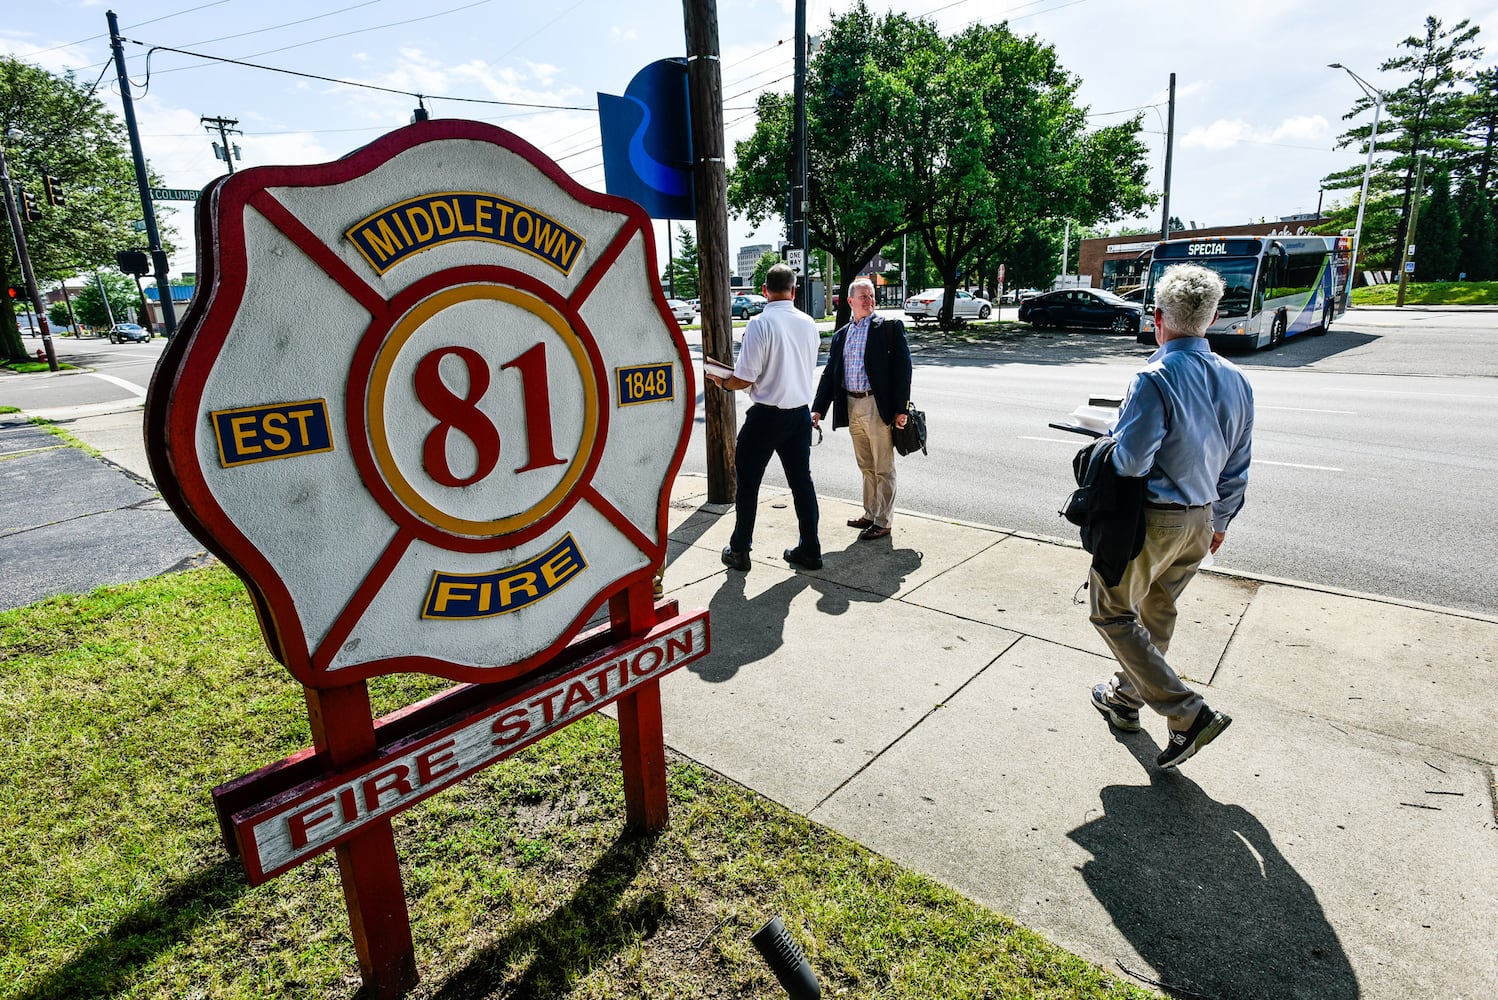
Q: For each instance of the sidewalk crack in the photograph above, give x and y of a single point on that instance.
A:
(1228, 646)
(912, 727)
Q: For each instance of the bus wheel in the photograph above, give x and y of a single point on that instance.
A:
(1277, 331)
(1326, 322)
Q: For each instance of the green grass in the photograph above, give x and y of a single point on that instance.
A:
(1429, 293)
(31, 367)
(125, 707)
(10, 409)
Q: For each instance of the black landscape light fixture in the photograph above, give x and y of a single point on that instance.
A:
(784, 957)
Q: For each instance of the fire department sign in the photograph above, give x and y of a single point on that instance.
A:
(429, 406)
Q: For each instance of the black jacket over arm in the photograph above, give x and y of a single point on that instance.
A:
(886, 359)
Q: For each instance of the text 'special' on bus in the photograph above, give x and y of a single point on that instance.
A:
(1277, 286)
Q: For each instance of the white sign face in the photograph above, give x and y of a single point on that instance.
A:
(796, 259)
(429, 408)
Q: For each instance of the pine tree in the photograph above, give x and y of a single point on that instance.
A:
(1438, 236)
(1478, 258)
(1429, 113)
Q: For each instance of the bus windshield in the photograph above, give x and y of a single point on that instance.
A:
(1237, 274)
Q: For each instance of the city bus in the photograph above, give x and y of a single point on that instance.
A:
(1277, 286)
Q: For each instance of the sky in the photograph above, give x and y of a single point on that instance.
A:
(1258, 111)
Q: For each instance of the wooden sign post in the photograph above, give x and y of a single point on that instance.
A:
(429, 410)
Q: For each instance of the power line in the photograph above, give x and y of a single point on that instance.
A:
(164, 17)
(284, 24)
(351, 83)
(326, 38)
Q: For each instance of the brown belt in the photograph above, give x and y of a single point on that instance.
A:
(860, 395)
(1152, 505)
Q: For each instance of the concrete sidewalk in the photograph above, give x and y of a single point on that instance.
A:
(927, 696)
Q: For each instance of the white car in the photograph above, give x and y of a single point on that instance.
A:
(683, 311)
(926, 305)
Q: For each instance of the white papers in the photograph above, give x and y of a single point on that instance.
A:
(716, 368)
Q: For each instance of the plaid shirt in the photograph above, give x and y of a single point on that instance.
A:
(855, 379)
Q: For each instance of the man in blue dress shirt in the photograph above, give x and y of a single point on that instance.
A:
(1186, 424)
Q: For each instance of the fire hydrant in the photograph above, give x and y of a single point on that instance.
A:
(40, 355)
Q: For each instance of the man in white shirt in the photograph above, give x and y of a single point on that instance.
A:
(776, 363)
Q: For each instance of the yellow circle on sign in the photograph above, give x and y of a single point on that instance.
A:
(379, 383)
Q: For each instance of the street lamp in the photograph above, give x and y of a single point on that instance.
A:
(1357, 234)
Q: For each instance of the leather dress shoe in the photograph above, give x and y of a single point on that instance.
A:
(736, 560)
(872, 532)
(860, 523)
(801, 560)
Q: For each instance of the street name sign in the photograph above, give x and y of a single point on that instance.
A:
(175, 194)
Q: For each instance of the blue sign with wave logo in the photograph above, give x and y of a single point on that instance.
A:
(647, 141)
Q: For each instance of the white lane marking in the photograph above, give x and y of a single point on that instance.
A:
(129, 387)
(1257, 461)
(1303, 409)
(1408, 392)
(1297, 465)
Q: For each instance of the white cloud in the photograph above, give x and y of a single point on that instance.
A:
(1226, 133)
(618, 34)
(1301, 127)
(1221, 134)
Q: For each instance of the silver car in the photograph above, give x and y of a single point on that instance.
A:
(924, 306)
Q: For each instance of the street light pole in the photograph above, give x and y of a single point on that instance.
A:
(1357, 232)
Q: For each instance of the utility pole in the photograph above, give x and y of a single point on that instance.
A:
(1170, 136)
(710, 175)
(798, 188)
(143, 181)
(223, 149)
(23, 257)
(1409, 233)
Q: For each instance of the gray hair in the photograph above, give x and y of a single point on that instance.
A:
(1187, 294)
(780, 278)
(866, 282)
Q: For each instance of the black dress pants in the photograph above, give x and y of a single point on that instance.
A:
(768, 431)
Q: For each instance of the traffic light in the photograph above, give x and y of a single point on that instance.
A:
(134, 262)
(29, 210)
(53, 188)
(16, 293)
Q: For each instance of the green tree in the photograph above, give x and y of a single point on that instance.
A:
(1479, 245)
(681, 273)
(1427, 114)
(1438, 234)
(54, 125)
(767, 260)
(124, 300)
(1001, 145)
(857, 98)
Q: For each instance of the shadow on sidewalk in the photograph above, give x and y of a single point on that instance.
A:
(748, 629)
(1202, 893)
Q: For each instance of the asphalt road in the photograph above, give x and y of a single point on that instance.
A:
(1373, 462)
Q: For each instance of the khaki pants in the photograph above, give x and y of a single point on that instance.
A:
(874, 448)
(1137, 617)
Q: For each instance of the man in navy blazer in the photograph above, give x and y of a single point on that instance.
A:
(867, 384)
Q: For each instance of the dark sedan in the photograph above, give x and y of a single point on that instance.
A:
(1090, 307)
